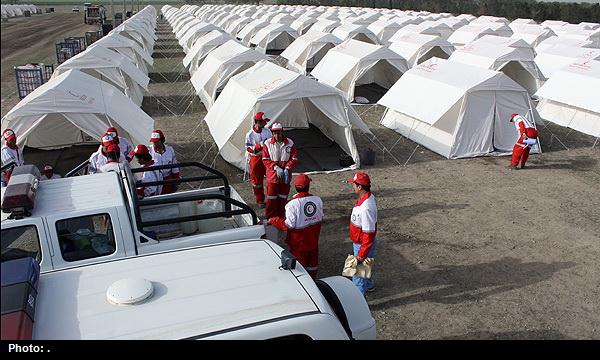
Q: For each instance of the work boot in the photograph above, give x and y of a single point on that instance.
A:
(523, 166)
(513, 167)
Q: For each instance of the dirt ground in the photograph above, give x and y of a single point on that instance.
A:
(467, 248)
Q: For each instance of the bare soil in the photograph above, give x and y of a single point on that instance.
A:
(467, 248)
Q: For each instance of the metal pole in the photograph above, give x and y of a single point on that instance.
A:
(124, 10)
(112, 9)
(131, 6)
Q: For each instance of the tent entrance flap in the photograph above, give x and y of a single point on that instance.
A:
(371, 92)
(316, 152)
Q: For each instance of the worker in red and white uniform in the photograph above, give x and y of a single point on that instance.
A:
(124, 144)
(49, 174)
(363, 226)
(11, 152)
(163, 154)
(279, 157)
(99, 158)
(303, 217)
(113, 153)
(255, 139)
(527, 137)
(143, 157)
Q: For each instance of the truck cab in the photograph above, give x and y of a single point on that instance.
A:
(93, 218)
(248, 289)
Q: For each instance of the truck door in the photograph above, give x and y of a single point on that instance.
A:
(85, 237)
(26, 238)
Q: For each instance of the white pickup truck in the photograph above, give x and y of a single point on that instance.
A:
(94, 218)
(248, 289)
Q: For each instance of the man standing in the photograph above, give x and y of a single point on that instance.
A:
(527, 137)
(279, 157)
(11, 152)
(123, 143)
(99, 158)
(363, 226)
(143, 157)
(48, 173)
(254, 146)
(163, 154)
(113, 153)
(303, 217)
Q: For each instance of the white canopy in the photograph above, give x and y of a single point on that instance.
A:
(355, 32)
(559, 56)
(532, 34)
(196, 32)
(302, 25)
(474, 31)
(570, 97)
(110, 67)
(292, 99)
(236, 25)
(273, 37)
(555, 40)
(454, 109)
(250, 30)
(126, 47)
(355, 63)
(219, 66)
(202, 47)
(416, 48)
(307, 50)
(518, 66)
(427, 28)
(75, 108)
(525, 50)
(325, 26)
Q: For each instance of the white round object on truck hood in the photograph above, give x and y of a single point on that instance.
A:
(129, 291)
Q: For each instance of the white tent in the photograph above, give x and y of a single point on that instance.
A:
(355, 63)
(325, 26)
(474, 31)
(518, 66)
(111, 67)
(570, 97)
(555, 40)
(321, 118)
(128, 48)
(236, 25)
(250, 30)
(75, 108)
(302, 25)
(525, 50)
(202, 47)
(417, 48)
(196, 32)
(273, 37)
(355, 32)
(559, 56)
(137, 32)
(384, 29)
(532, 34)
(454, 109)
(486, 19)
(306, 51)
(219, 66)
(427, 28)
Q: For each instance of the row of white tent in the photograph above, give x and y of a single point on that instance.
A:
(9, 11)
(345, 64)
(102, 86)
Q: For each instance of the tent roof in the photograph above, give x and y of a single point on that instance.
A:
(117, 41)
(76, 92)
(486, 55)
(576, 84)
(428, 90)
(97, 57)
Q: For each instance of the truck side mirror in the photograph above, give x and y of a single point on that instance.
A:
(288, 261)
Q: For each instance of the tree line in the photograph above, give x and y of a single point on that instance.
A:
(510, 9)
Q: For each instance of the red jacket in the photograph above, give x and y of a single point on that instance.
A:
(283, 154)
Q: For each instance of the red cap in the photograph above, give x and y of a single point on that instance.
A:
(302, 181)
(107, 139)
(8, 134)
(156, 136)
(259, 116)
(277, 126)
(512, 116)
(360, 178)
(112, 131)
(141, 149)
(113, 148)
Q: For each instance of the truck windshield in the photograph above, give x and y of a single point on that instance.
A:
(20, 242)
